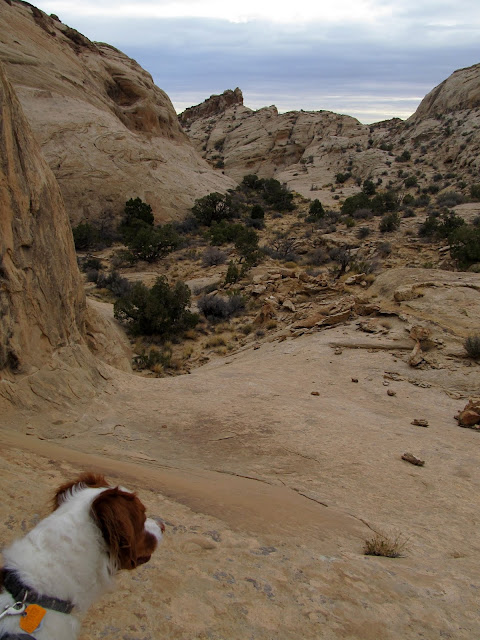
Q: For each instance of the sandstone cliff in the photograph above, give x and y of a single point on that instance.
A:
(106, 130)
(439, 145)
(43, 353)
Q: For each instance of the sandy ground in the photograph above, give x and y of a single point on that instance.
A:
(269, 493)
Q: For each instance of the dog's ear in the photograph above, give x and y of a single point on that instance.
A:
(120, 517)
(87, 479)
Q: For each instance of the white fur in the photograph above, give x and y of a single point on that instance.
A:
(64, 556)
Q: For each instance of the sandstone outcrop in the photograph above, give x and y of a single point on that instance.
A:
(459, 92)
(43, 354)
(307, 150)
(107, 132)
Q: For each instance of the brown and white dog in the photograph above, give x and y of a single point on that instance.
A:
(52, 575)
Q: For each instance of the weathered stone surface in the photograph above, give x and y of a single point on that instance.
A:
(107, 132)
(42, 298)
(44, 358)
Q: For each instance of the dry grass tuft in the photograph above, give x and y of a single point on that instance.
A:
(388, 546)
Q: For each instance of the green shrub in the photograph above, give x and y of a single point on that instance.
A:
(368, 188)
(224, 232)
(218, 308)
(383, 202)
(353, 203)
(450, 199)
(85, 236)
(246, 243)
(389, 222)
(315, 211)
(404, 157)
(465, 245)
(233, 274)
(472, 346)
(257, 212)
(410, 182)
(152, 243)
(475, 191)
(214, 207)
(161, 310)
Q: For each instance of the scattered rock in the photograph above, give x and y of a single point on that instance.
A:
(470, 415)
(288, 304)
(391, 392)
(415, 359)
(417, 332)
(358, 278)
(338, 351)
(315, 393)
(419, 422)
(407, 292)
(354, 379)
(409, 457)
(258, 289)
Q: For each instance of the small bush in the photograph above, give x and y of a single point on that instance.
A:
(315, 211)
(465, 245)
(233, 274)
(472, 346)
(475, 191)
(389, 222)
(219, 308)
(213, 256)
(85, 236)
(368, 188)
(404, 157)
(363, 232)
(161, 310)
(318, 256)
(214, 207)
(385, 545)
(152, 243)
(89, 263)
(257, 212)
(450, 199)
(410, 182)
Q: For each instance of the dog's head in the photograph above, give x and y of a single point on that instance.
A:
(130, 536)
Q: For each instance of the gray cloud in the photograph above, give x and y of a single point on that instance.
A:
(372, 71)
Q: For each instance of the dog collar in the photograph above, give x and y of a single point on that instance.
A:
(23, 593)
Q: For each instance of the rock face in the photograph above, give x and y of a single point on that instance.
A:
(303, 149)
(307, 150)
(43, 353)
(43, 303)
(106, 130)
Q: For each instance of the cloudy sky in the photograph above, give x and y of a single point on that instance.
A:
(372, 59)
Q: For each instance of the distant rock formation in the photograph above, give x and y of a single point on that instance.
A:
(212, 106)
(107, 132)
(324, 155)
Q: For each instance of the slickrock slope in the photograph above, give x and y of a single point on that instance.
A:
(106, 130)
(43, 355)
(439, 145)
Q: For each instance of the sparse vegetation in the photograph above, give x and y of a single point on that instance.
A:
(472, 346)
(388, 546)
(161, 310)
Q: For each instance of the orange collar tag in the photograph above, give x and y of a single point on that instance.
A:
(31, 619)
